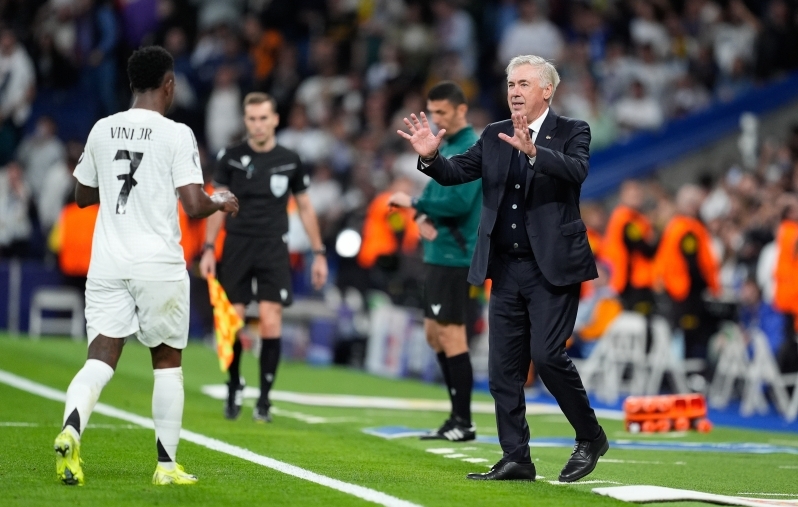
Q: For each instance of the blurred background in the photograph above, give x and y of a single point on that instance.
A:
(677, 92)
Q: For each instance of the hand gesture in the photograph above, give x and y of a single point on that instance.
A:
(228, 201)
(420, 137)
(427, 229)
(318, 271)
(400, 200)
(207, 265)
(522, 139)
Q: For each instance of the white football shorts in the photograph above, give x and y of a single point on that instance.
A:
(155, 311)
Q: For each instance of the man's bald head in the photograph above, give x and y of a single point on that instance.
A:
(689, 199)
(632, 194)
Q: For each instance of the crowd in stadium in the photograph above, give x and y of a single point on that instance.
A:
(345, 72)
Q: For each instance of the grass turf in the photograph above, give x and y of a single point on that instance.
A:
(119, 459)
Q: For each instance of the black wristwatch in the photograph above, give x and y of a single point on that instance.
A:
(320, 251)
(208, 246)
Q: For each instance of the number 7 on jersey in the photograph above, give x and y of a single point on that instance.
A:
(128, 182)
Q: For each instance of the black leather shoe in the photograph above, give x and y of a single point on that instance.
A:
(507, 471)
(584, 458)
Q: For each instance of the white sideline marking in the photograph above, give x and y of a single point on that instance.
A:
(577, 483)
(474, 460)
(455, 455)
(768, 494)
(362, 492)
(12, 424)
(788, 467)
(440, 450)
(311, 419)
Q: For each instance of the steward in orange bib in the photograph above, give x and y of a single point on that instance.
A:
(629, 248)
(685, 266)
(785, 297)
(71, 239)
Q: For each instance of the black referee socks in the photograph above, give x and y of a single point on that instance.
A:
(235, 365)
(269, 359)
(444, 364)
(461, 384)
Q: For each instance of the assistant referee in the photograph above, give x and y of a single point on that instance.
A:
(448, 219)
(261, 173)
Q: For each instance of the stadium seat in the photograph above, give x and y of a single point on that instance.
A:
(661, 359)
(57, 299)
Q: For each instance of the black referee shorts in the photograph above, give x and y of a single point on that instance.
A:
(264, 260)
(446, 294)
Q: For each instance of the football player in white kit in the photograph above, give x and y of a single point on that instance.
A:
(135, 164)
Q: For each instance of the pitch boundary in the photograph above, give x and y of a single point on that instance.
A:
(362, 492)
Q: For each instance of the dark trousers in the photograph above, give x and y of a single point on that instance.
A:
(530, 320)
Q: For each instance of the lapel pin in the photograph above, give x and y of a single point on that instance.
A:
(548, 137)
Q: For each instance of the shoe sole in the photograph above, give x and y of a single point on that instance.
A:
(588, 472)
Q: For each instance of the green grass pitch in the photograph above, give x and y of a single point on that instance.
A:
(120, 458)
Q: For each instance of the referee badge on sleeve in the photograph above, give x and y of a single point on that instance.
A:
(278, 184)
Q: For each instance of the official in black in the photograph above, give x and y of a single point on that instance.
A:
(533, 244)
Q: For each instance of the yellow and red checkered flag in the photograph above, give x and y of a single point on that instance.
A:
(226, 323)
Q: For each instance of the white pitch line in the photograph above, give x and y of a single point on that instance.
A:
(769, 494)
(635, 462)
(311, 419)
(455, 455)
(361, 492)
(558, 483)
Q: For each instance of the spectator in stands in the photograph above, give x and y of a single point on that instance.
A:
(17, 89)
(312, 144)
(223, 117)
(735, 37)
(57, 187)
(646, 30)
(264, 48)
(687, 97)
(318, 92)
(40, 151)
(775, 46)
(455, 33)
(686, 266)
(15, 202)
(54, 69)
(212, 13)
(531, 32)
(97, 37)
(325, 195)
(603, 127)
(285, 79)
(757, 314)
(638, 110)
(186, 105)
(415, 39)
(734, 83)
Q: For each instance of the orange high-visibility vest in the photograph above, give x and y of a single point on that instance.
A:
(785, 297)
(380, 230)
(192, 233)
(76, 231)
(628, 268)
(670, 265)
(594, 239)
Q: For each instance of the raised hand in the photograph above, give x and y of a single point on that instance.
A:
(420, 136)
(522, 139)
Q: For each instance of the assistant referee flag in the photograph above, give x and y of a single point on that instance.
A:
(226, 323)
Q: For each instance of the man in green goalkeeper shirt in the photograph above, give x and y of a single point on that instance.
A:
(448, 218)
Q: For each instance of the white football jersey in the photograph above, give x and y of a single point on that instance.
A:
(138, 158)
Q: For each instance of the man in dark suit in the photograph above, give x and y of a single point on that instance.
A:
(533, 244)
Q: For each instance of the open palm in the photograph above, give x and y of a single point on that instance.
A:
(421, 138)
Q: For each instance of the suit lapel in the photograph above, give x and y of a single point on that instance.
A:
(505, 155)
(547, 131)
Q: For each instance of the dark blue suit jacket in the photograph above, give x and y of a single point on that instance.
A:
(555, 228)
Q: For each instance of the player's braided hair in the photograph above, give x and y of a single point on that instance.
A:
(147, 66)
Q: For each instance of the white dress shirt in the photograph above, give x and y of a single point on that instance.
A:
(535, 126)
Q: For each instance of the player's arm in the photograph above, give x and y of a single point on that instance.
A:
(311, 223)
(198, 204)
(86, 196)
(213, 225)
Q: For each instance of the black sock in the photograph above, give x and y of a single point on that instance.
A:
(462, 383)
(444, 364)
(74, 421)
(269, 358)
(235, 364)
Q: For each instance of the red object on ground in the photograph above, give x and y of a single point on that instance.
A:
(664, 413)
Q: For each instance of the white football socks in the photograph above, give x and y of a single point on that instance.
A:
(83, 393)
(167, 413)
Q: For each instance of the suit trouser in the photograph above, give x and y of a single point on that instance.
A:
(530, 320)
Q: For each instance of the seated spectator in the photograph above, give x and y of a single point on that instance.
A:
(15, 202)
(688, 97)
(757, 314)
(736, 82)
(40, 151)
(595, 314)
(223, 116)
(18, 78)
(57, 187)
(264, 48)
(455, 33)
(312, 144)
(532, 32)
(54, 69)
(638, 110)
